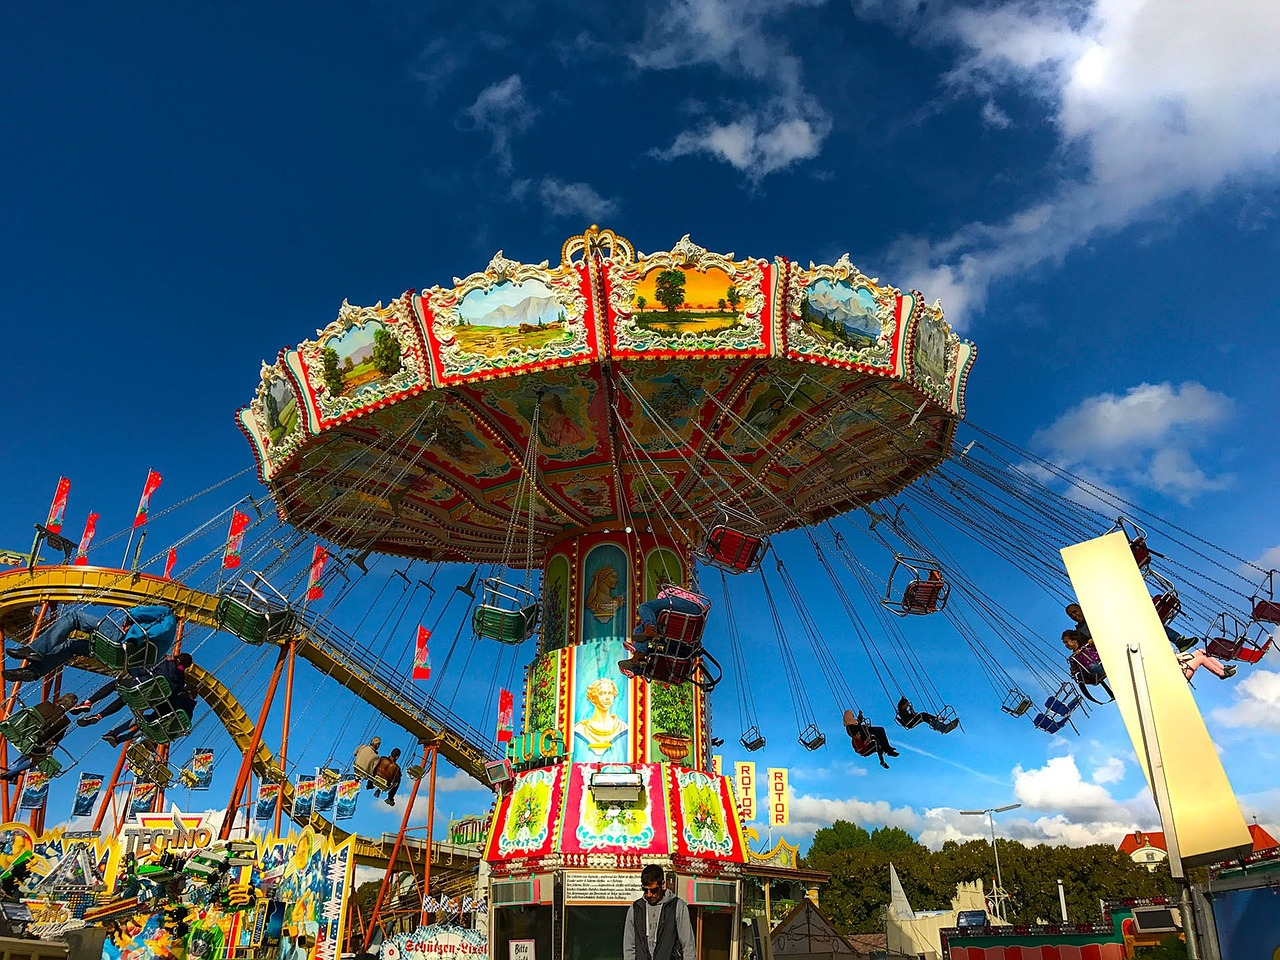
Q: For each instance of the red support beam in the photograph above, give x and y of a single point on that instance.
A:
(246, 766)
(395, 853)
(284, 733)
(109, 796)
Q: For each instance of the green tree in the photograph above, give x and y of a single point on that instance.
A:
(733, 297)
(669, 289)
(641, 302)
(720, 304)
(841, 835)
(386, 353)
(330, 372)
(893, 840)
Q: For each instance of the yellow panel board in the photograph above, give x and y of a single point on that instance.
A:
(1203, 814)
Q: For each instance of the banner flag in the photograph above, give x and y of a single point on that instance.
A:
(235, 540)
(268, 793)
(35, 790)
(745, 783)
(153, 482)
(506, 708)
(717, 765)
(201, 769)
(169, 561)
(144, 795)
(326, 789)
(303, 793)
(58, 512)
(319, 556)
(90, 527)
(348, 793)
(779, 798)
(421, 658)
(87, 791)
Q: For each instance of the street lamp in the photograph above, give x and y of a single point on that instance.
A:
(990, 813)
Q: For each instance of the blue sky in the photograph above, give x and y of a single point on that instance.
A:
(1090, 188)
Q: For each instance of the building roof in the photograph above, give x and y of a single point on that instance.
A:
(1154, 838)
(805, 931)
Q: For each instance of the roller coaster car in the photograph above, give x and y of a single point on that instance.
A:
(146, 766)
(246, 611)
(734, 543)
(506, 613)
(151, 693)
(107, 645)
(925, 592)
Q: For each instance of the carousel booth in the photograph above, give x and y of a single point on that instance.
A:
(610, 773)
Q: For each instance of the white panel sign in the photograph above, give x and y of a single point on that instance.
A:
(602, 887)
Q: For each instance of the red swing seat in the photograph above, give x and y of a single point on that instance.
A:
(924, 596)
(734, 543)
(926, 592)
(1266, 611)
(1167, 605)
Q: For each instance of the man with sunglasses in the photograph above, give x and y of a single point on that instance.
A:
(657, 926)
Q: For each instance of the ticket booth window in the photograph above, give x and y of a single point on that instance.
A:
(527, 922)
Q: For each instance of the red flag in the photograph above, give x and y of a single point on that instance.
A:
(235, 539)
(59, 509)
(90, 526)
(422, 659)
(506, 707)
(319, 557)
(153, 481)
(169, 561)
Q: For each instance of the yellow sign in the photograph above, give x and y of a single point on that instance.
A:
(779, 800)
(744, 775)
(717, 765)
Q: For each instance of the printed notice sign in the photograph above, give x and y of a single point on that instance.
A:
(602, 887)
(522, 950)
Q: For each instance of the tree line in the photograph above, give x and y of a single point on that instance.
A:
(858, 862)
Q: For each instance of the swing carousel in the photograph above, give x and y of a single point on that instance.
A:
(585, 434)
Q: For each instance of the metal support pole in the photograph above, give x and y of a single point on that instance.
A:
(246, 766)
(431, 822)
(395, 852)
(1062, 901)
(109, 795)
(1160, 793)
(9, 804)
(1000, 911)
(284, 732)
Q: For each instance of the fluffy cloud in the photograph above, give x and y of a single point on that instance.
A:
(570, 199)
(785, 127)
(1257, 702)
(501, 111)
(1153, 100)
(1141, 437)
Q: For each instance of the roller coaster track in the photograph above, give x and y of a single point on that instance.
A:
(318, 644)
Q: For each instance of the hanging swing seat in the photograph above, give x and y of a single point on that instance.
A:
(1263, 605)
(1016, 703)
(673, 661)
(947, 719)
(1058, 708)
(146, 766)
(1086, 665)
(1166, 602)
(107, 645)
(734, 543)
(752, 739)
(151, 693)
(811, 738)
(164, 727)
(247, 612)
(1242, 648)
(506, 613)
(924, 591)
(50, 767)
(24, 729)
(908, 721)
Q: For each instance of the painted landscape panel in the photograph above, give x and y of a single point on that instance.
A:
(509, 316)
(675, 301)
(839, 313)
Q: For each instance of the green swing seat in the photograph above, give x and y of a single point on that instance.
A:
(247, 613)
(506, 613)
(49, 767)
(165, 727)
(114, 654)
(150, 694)
(148, 767)
(23, 730)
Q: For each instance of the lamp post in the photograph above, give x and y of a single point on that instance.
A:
(990, 813)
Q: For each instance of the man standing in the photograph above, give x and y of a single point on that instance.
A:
(657, 926)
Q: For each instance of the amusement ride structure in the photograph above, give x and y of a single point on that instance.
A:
(579, 439)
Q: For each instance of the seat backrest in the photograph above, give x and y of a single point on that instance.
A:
(667, 669)
(1048, 724)
(1167, 605)
(864, 746)
(1141, 552)
(686, 627)
(922, 595)
(1266, 611)
(1251, 652)
(1223, 649)
(732, 548)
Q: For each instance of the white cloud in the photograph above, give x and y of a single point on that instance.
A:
(808, 814)
(1257, 702)
(993, 116)
(1270, 559)
(1111, 771)
(784, 127)
(501, 110)
(573, 199)
(1141, 437)
(1154, 100)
